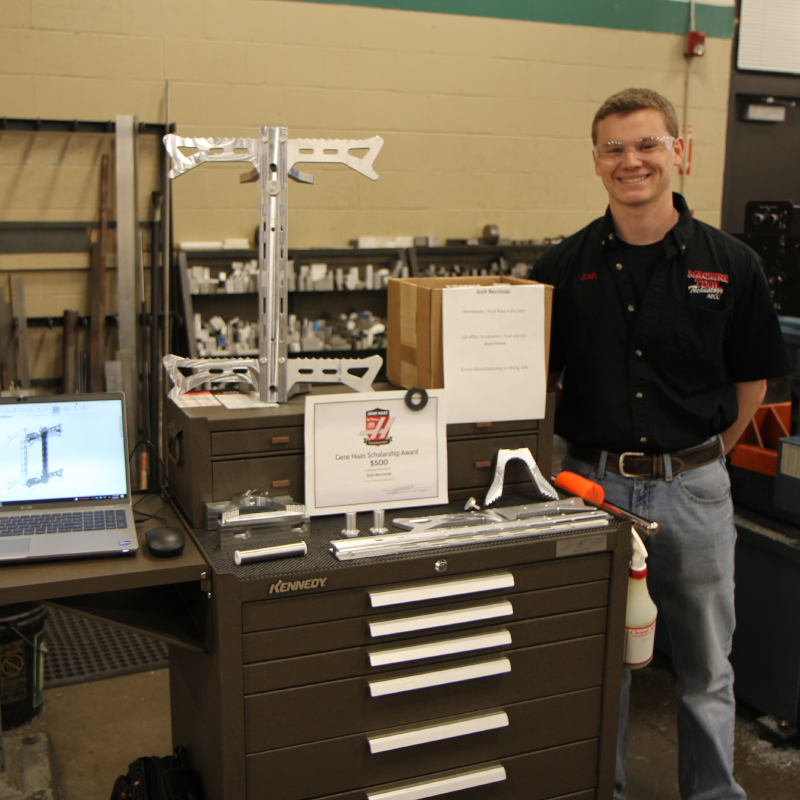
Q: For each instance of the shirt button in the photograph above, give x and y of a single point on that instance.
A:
(683, 247)
(643, 439)
(610, 235)
(639, 395)
(631, 307)
(638, 353)
(618, 266)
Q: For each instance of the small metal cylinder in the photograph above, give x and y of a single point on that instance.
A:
(350, 529)
(267, 553)
(378, 521)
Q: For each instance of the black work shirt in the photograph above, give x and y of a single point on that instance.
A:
(666, 382)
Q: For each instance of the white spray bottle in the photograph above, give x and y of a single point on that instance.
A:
(640, 618)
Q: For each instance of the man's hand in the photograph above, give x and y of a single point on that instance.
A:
(554, 385)
(749, 395)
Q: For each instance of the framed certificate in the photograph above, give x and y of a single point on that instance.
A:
(366, 451)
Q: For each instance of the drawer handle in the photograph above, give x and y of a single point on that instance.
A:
(281, 440)
(280, 484)
(431, 591)
(444, 647)
(434, 788)
(483, 424)
(482, 464)
(437, 733)
(423, 622)
(439, 677)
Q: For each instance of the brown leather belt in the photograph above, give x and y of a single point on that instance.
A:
(639, 465)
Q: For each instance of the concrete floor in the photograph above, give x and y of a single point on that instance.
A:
(96, 729)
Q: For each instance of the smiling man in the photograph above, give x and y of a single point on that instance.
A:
(663, 336)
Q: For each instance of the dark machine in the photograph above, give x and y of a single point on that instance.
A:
(765, 483)
(772, 229)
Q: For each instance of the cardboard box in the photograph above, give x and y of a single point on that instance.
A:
(414, 326)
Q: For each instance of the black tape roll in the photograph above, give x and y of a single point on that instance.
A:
(421, 403)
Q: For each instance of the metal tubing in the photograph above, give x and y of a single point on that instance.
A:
(155, 354)
(70, 380)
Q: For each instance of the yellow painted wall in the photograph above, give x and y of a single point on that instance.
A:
(484, 120)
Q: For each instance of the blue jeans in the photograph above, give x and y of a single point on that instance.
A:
(690, 577)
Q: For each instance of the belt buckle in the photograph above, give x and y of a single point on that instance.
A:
(622, 463)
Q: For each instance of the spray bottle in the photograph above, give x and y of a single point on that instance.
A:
(640, 618)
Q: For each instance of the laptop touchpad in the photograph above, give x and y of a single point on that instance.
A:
(13, 546)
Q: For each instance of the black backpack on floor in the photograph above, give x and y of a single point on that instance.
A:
(159, 778)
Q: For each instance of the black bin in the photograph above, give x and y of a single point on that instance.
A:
(21, 662)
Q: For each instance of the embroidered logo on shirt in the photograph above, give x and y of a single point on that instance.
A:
(589, 276)
(708, 283)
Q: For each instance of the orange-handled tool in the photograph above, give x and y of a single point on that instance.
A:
(594, 493)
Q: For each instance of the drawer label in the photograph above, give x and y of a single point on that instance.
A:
(294, 586)
(579, 545)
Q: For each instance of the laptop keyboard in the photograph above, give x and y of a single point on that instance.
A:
(64, 522)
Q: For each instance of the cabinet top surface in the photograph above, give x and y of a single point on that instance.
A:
(320, 561)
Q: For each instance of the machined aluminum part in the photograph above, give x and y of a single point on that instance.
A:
(396, 543)
(336, 151)
(208, 150)
(206, 370)
(509, 514)
(247, 370)
(273, 156)
(334, 370)
(526, 457)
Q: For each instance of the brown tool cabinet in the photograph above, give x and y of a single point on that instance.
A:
(489, 671)
(214, 453)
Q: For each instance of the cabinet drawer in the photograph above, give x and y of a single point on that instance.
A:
(360, 760)
(279, 612)
(258, 440)
(345, 707)
(347, 633)
(568, 772)
(299, 671)
(472, 429)
(285, 473)
(470, 463)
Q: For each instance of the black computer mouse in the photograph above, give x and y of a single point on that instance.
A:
(165, 542)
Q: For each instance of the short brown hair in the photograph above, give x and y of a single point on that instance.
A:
(630, 100)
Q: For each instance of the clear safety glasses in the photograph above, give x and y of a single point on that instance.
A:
(645, 149)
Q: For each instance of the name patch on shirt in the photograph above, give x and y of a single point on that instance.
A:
(710, 284)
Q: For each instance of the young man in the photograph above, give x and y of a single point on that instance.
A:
(663, 336)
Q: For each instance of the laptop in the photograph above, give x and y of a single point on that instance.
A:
(64, 485)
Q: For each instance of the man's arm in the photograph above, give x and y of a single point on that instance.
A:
(749, 396)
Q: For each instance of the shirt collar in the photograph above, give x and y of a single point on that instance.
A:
(675, 242)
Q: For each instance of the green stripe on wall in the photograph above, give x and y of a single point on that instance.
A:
(657, 16)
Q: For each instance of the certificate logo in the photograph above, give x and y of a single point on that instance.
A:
(378, 423)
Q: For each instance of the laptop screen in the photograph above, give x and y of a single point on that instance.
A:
(60, 449)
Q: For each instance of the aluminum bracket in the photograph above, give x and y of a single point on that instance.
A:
(526, 457)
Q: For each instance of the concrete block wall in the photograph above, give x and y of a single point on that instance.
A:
(485, 120)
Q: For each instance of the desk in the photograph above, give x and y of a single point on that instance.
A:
(158, 597)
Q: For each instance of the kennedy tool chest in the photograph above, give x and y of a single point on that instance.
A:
(214, 453)
(484, 672)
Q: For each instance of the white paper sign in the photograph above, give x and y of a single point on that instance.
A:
(366, 451)
(493, 350)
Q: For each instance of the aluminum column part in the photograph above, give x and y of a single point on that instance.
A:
(272, 266)
(127, 244)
